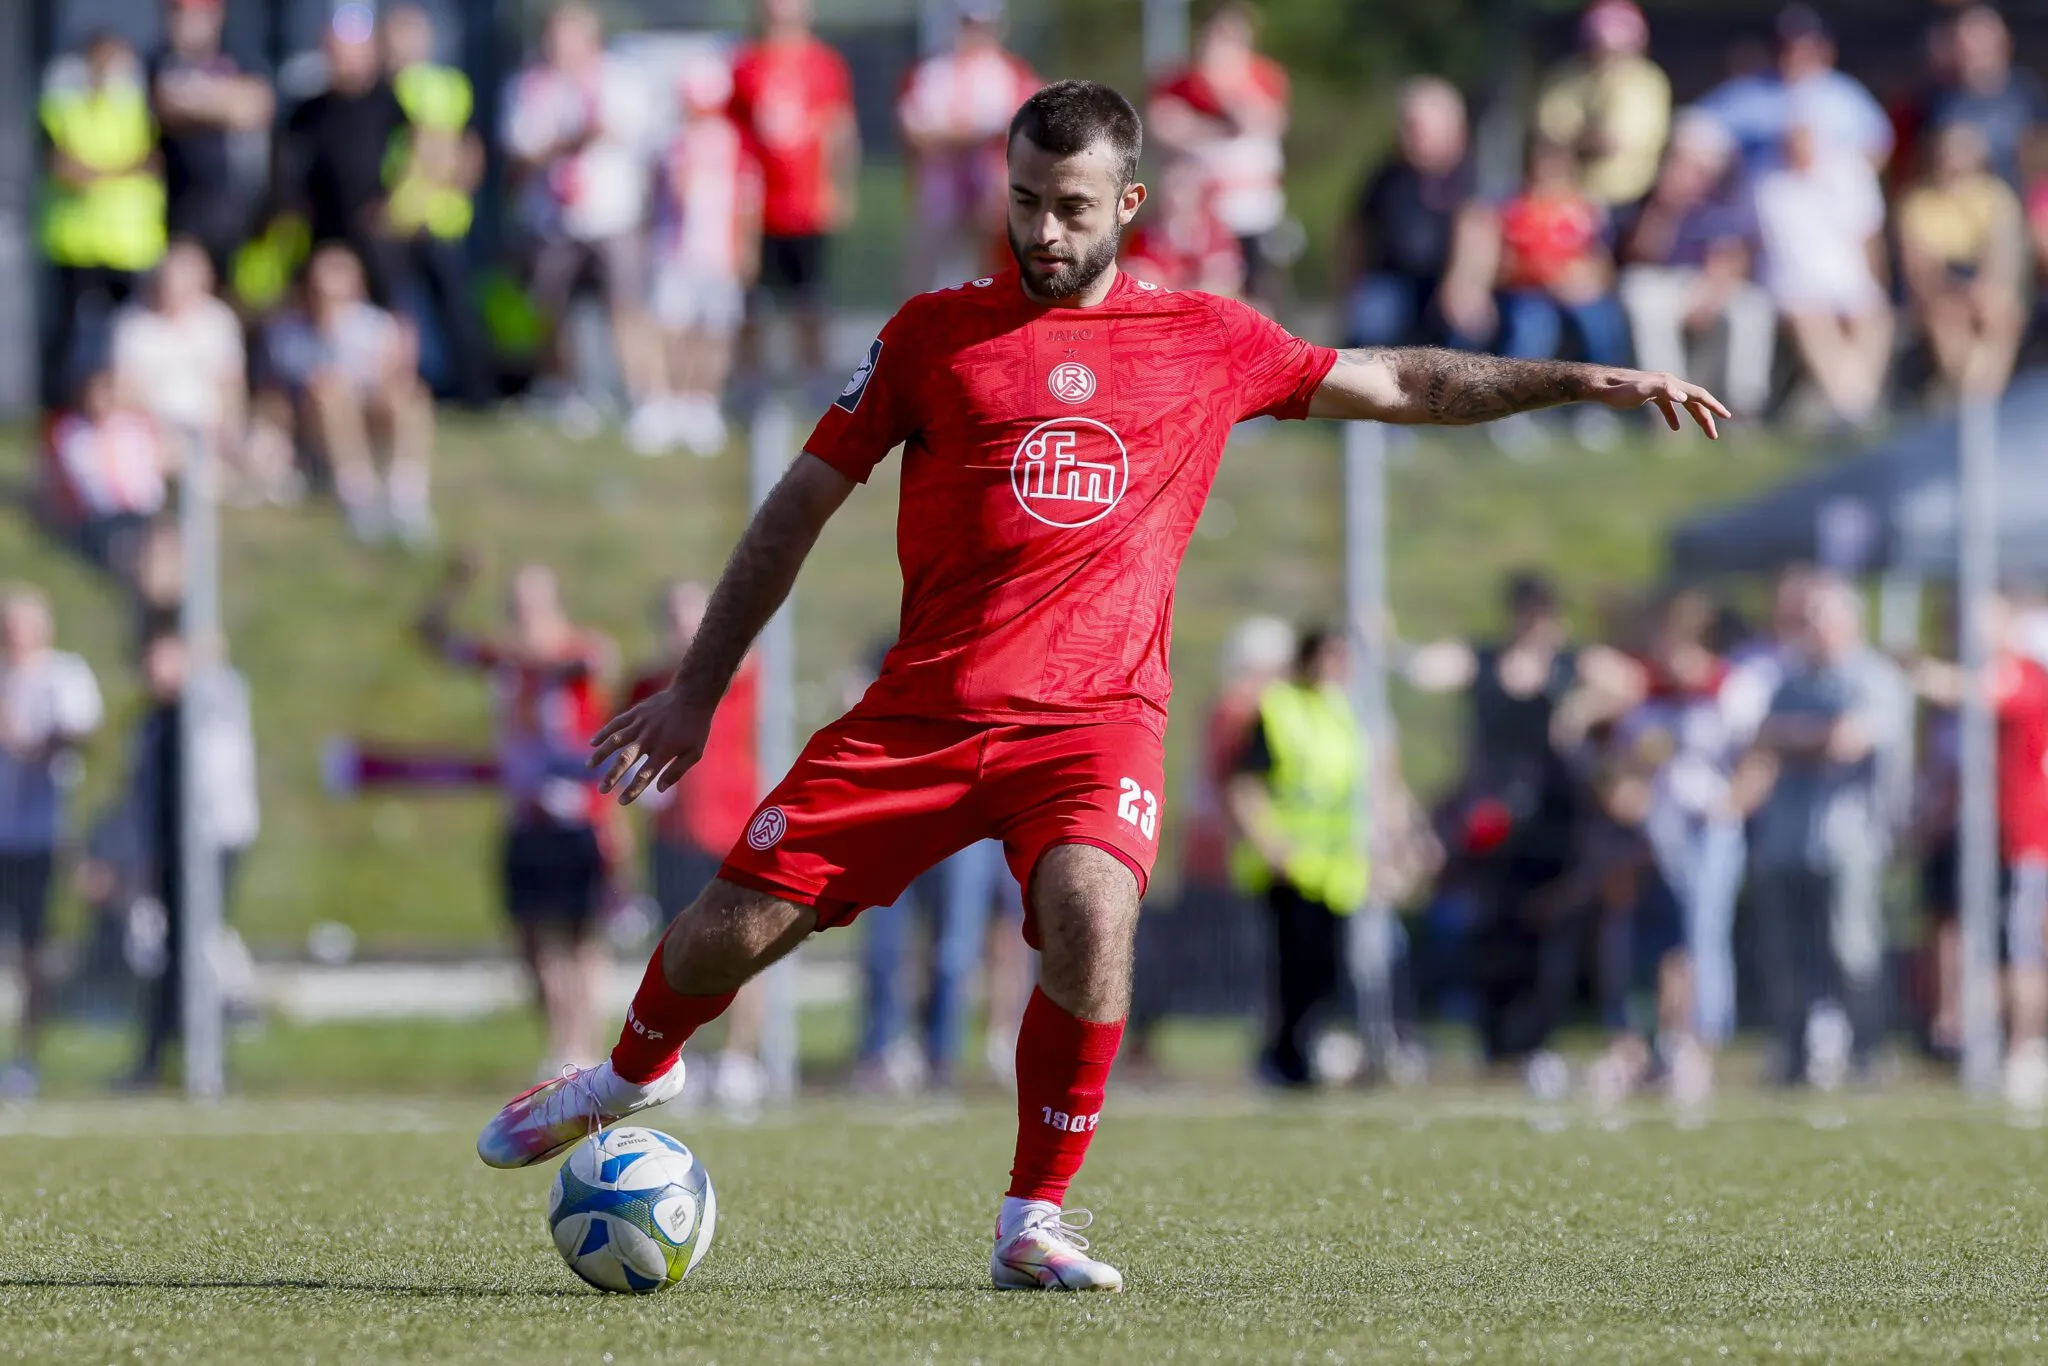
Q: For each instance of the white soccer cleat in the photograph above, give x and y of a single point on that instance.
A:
(563, 1111)
(1047, 1252)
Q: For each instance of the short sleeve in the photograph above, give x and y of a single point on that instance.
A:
(832, 80)
(1256, 755)
(877, 411)
(528, 123)
(1275, 372)
(1873, 131)
(77, 702)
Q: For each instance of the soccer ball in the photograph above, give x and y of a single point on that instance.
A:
(632, 1211)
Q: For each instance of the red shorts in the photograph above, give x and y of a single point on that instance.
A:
(871, 804)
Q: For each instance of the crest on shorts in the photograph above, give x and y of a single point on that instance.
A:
(1071, 382)
(849, 397)
(767, 830)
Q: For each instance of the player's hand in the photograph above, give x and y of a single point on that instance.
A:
(660, 738)
(1628, 389)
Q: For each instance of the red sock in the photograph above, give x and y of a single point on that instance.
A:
(1062, 1067)
(659, 1023)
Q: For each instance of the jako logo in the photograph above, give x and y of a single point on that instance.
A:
(767, 830)
(1070, 471)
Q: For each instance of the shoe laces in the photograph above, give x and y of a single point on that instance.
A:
(576, 1089)
(1062, 1226)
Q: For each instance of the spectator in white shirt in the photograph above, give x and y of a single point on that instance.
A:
(707, 250)
(112, 467)
(954, 111)
(178, 358)
(578, 126)
(1821, 217)
(49, 704)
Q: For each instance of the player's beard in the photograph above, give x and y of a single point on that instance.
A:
(1073, 275)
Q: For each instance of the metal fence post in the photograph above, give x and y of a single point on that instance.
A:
(199, 622)
(1977, 894)
(771, 446)
(1365, 605)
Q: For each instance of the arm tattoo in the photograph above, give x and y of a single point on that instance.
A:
(757, 578)
(1459, 387)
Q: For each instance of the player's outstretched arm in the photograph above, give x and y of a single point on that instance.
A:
(1412, 384)
(668, 729)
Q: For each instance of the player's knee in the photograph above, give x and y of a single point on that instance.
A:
(1085, 901)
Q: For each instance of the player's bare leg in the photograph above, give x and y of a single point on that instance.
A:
(711, 950)
(1084, 901)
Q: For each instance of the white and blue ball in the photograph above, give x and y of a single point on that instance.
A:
(632, 1211)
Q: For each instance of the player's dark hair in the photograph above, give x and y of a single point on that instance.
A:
(1069, 117)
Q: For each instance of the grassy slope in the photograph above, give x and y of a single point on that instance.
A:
(1345, 1232)
(322, 627)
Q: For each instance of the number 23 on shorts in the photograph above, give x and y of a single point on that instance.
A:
(1137, 805)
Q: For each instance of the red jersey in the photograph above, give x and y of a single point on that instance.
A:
(710, 806)
(1544, 238)
(787, 97)
(547, 710)
(1055, 462)
(2022, 690)
(1193, 252)
(1245, 167)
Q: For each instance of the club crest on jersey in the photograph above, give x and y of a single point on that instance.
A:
(767, 830)
(1070, 472)
(849, 397)
(1071, 382)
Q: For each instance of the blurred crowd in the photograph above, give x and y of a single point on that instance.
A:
(276, 287)
(1892, 251)
(1635, 819)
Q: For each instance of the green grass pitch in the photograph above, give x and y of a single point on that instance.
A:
(1348, 1230)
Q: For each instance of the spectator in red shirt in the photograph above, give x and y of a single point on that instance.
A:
(2019, 692)
(954, 112)
(1555, 267)
(548, 677)
(793, 97)
(1227, 112)
(1180, 242)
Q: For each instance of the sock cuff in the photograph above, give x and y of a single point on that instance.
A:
(1094, 1041)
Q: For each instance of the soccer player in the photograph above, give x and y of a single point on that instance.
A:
(1061, 426)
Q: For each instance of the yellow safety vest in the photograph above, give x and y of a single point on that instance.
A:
(263, 267)
(1317, 761)
(436, 99)
(118, 220)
